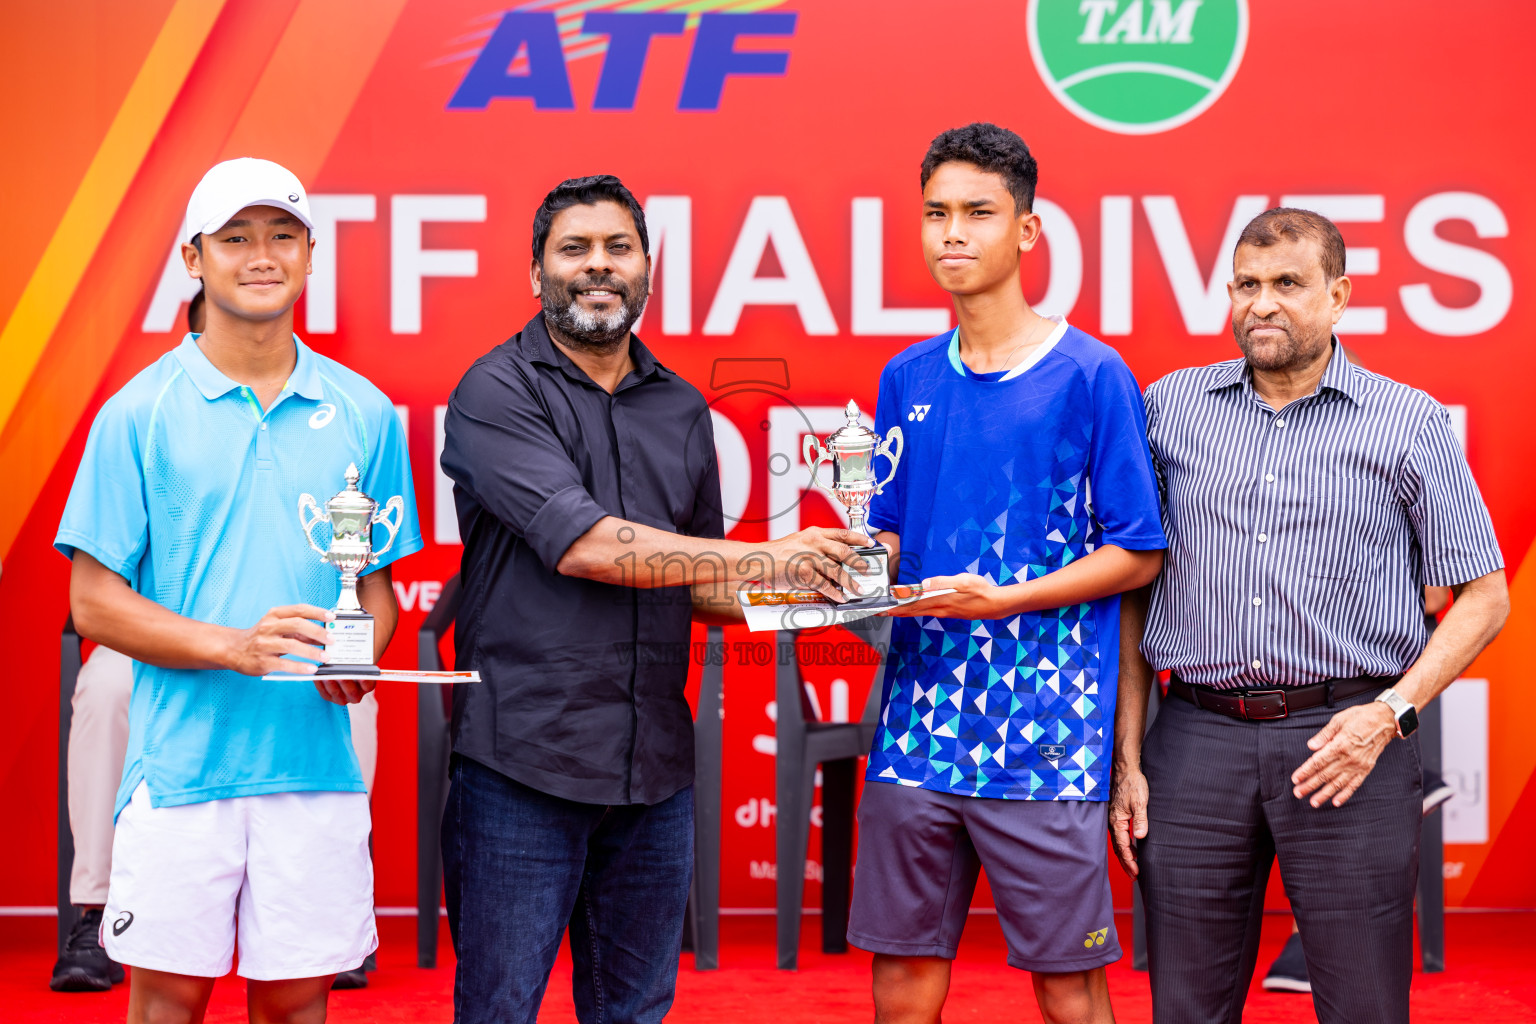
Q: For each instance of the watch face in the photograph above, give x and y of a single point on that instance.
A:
(1407, 722)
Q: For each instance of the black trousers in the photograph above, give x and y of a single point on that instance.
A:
(1220, 812)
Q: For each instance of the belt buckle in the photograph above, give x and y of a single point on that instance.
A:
(1267, 710)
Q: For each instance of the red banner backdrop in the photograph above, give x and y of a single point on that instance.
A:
(776, 147)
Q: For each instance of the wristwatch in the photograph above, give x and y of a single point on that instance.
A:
(1405, 713)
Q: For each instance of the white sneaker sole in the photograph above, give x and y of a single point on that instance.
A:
(1286, 985)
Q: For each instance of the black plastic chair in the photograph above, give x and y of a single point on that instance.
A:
(433, 705)
(702, 921)
(69, 671)
(804, 743)
(1430, 906)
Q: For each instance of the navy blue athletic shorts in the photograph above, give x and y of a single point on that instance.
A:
(1047, 862)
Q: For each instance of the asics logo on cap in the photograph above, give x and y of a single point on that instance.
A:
(322, 416)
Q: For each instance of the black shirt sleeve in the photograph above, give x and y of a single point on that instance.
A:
(708, 519)
(501, 448)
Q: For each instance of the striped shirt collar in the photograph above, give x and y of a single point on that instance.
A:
(1340, 375)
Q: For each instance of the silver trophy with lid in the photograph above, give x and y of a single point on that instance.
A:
(852, 450)
(352, 515)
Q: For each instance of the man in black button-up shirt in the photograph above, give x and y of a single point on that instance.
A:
(589, 503)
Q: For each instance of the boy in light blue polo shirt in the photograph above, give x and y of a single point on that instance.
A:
(241, 799)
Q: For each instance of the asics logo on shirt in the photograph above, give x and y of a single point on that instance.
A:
(121, 924)
(322, 416)
(919, 413)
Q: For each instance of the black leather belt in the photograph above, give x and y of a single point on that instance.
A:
(1278, 702)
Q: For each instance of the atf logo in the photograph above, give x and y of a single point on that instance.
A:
(526, 54)
(1096, 938)
(1137, 66)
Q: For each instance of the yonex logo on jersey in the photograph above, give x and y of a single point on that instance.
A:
(1096, 938)
(1137, 66)
(322, 416)
(919, 413)
(121, 924)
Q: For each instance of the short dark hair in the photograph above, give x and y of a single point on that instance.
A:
(1292, 225)
(588, 191)
(992, 149)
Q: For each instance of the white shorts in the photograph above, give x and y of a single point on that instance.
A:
(292, 868)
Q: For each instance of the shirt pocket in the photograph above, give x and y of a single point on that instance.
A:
(1350, 521)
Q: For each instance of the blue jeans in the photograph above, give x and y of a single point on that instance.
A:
(520, 866)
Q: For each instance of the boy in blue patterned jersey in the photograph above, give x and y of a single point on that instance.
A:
(241, 800)
(1027, 488)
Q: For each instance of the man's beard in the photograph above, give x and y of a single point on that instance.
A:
(1296, 349)
(598, 332)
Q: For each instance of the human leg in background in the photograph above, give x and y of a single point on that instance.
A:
(98, 741)
(364, 719)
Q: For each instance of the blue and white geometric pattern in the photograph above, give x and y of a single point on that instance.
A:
(1010, 707)
(1010, 479)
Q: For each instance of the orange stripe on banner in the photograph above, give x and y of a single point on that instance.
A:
(295, 102)
(305, 76)
(1506, 664)
(96, 201)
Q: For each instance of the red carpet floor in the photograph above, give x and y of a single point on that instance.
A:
(1491, 980)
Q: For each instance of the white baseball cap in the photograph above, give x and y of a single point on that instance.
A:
(231, 186)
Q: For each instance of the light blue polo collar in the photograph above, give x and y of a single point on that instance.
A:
(305, 379)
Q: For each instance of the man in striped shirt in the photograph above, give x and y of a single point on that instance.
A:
(1306, 502)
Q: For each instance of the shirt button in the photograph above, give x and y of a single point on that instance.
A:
(1279, 423)
(263, 426)
(1257, 663)
(1269, 478)
(1263, 537)
(1258, 600)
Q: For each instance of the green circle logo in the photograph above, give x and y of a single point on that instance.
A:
(1137, 66)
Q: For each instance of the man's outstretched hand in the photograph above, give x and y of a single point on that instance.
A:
(817, 559)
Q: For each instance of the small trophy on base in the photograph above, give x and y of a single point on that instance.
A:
(349, 638)
(852, 450)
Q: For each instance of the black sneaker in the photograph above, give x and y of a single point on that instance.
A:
(355, 978)
(85, 966)
(1436, 792)
(1289, 971)
(371, 964)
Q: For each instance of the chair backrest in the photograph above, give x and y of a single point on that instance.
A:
(874, 631)
(877, 633)
(429, 656)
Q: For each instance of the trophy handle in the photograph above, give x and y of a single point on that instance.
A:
(891, 436)
(814, 457)
(307, 505)
(381, 517)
